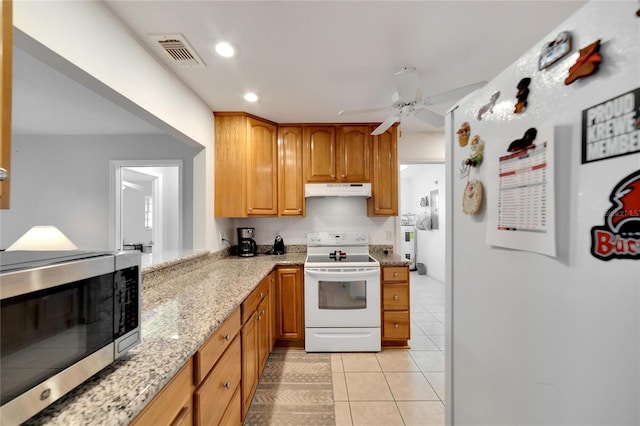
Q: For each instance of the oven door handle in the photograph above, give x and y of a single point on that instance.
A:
(341, 272)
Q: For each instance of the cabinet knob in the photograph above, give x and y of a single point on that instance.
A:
(377, 208)
(395, 274)
(261, 295)
(250, 208)
(3, 174)
(262, 313)
(396, 325)
(227, 385)
(343, 176)
(333, 176)
(227, 337)
(299, 210)
(396, 297)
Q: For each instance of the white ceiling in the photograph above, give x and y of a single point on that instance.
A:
(309, 60)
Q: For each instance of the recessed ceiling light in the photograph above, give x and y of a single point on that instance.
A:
(251, 97)
(226, 49)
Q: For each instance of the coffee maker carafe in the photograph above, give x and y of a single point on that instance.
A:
(246, 244)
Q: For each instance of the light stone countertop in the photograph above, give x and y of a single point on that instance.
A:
(183, 303)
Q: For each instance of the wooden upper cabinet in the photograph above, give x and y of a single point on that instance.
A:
(354, 163)
(291, 200)
(320, 153)
(6, 32)
(338, 153)
(246, 167)
(384, 188)
(262, 173)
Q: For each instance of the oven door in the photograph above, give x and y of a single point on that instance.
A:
(342, 297)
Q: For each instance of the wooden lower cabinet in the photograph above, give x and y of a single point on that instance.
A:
(215, 393)
(396, 321)
(174, 404)
(256, 339)
(290, 306)
(233, 415)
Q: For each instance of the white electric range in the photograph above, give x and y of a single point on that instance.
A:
(342, 294)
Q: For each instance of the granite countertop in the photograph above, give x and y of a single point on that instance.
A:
(184, 301)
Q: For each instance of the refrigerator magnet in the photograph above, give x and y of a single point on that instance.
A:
(463, 134)
(586, 64)
(555, 50)
(521, 95)
(488, 107)
(472, 197)
(477, 149)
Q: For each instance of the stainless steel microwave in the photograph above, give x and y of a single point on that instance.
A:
(64, 317)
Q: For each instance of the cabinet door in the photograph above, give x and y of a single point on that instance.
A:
(384, 189)
(354, 163)
(262, 170)
(249, 362)
(290, 316)
(290, 172)
(6, 29)
(272, 309)
(263, 333)
(230, 157)
(320, 157)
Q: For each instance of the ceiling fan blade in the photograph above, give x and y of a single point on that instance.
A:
(386, 124)
(364, 111)
(407, 83)
(452, 95)
(432, 118)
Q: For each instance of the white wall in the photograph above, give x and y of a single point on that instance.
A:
(421, 147)
(322, 214)
(88, 43)
(430, 243)
(540, 340)
(64, 181)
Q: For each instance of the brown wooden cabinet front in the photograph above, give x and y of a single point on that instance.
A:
(354, 153)
(396, 320)
(6, 32)
(262, 172)
(384, 189)
(290, 313)
(250, 368)
(291, 200)
(320, 153)
(174, 404)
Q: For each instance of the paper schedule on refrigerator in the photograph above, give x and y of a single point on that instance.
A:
(522, 215)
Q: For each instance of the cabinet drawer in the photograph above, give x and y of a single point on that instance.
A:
(395, 273)
(217, 390)
(395, 297)
(173, 405)
(252, 301)
(233, 415)
(209, 353)
(396, 326)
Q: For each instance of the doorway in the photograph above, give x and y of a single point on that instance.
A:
(146, 205)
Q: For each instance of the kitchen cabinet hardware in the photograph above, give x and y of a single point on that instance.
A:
(227, 385)
(3, 174)
(396, 325)
(395, 297)
(227, 337)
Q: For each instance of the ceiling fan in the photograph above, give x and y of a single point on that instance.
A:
(408, 101)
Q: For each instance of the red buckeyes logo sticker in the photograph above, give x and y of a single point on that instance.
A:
(620, 236)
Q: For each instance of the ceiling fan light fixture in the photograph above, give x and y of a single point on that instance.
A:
(226, 49)
(251, 97)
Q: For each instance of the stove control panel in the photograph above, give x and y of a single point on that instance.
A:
(337, 239)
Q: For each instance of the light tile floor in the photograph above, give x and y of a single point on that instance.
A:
(397, 386)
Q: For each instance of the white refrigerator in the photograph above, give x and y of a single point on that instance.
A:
(543, 256)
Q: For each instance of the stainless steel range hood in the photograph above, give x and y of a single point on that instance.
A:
(337, 190)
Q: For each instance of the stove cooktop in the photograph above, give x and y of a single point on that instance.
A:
(347, 258)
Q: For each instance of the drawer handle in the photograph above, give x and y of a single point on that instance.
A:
(396, 297)
(227, 337)
(396, 325)
(227, 385)
(181, 417)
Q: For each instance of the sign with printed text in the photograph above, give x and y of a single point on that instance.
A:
(611, 128)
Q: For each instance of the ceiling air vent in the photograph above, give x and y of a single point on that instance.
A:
(178, 50)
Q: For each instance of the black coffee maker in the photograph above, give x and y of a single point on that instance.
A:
(246, 244)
